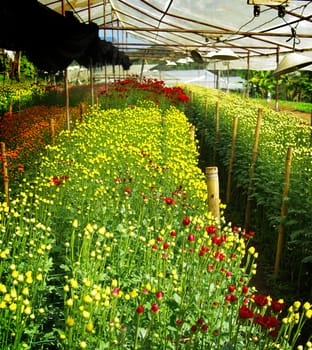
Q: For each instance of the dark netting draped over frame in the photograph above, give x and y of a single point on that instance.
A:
(52, 41)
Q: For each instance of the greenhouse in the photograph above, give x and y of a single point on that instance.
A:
(155, 174)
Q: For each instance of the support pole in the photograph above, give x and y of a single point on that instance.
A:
(252, 169)
(5, 173)
(67, 99)
(52, 131)
(277, 81)
(217, 124)
(213, 191)
(283, 213)
(229, 178)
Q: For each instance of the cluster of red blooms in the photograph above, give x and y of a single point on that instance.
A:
(266, 321)
(59, 180)
(153, 86)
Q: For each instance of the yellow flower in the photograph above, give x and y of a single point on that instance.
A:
(39, 277)
(251, 250)
(73, 283)
(89, 327)
(2, 305)
(27, 310)
(3, 288)
(70, 302)
(83, 344)
(87, 299)
(13, 307)
(114, 283)
(297, 305)
(75, 223)
(14, 274)
(85, 314)
(134, 293)
(309, 313)
(306, 305)
(70, 321)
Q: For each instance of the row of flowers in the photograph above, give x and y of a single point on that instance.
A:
(111, 245)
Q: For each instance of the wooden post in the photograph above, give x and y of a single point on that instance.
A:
(206, 108)
(10, 108)
(5, 173)
(67, 99)
(216, 132)
(213, 191)
(52, 131)
(82, 111)
(192, 133)
(229, 178)
(283, 213)
(252, 169)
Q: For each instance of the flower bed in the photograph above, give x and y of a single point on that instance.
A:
(111, 246)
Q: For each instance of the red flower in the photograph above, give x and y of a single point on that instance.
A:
(245, 289)
(140, 309)
(277, 306)
(194, 328)
(166, 245)
(191, 238)
(186, 221)
(128, 190)
(169, 201)
(210, 229)
(154, 308)
(200, 321)
(173, 234)
(245, 312)
(231, 288)
(260, 299)
(179, 322)
(159, 295)
(204, 328)
(267, 322)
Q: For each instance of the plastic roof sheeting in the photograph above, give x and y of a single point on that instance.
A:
(172, 28)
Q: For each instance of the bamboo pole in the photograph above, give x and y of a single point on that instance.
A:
(67, 99)
(213, 191)
(52, 130)
(229, 178)
(252, 169)
(192, 133)
(283, 213)
(5, 173)
(217, 127)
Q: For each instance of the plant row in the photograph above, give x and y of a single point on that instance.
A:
(278, 132)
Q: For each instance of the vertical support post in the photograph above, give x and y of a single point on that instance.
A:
(248, 74)
(66, 82)
(206, 108)
(277, 81)
(283, 213)
(229, 178)
(5, 173)
(217, 126)
(82, 111)
(91, 82)
(213, 191)
(67, 99)
(252, 169)
(192, 133)
(10, 108)
(52, 130)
